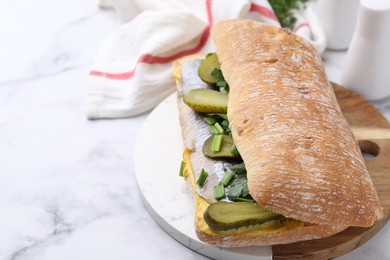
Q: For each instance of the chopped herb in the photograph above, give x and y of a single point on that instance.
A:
(213, 130)
(225, 124)
(217, 123)
(284, 11)
(219, 191)
(202, 178)
(234, 150)
(226, 179)
(182, 165)
(239, 169)
(210, 120)
(217, 142)
(221, 82)
(219, 128)
(223, 116)
(208, 54)
(238, 188)
(245, 199)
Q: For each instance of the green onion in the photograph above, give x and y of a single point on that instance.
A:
(234, 150)
(217, 142)
(219, 128)
(202, 178)
(182, 165)
(219, 191)
(213, 130)
(223, 116)
(210, 120)
(244, 200)
(226, 179)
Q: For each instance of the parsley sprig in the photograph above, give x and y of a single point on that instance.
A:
(238, 188)
(284, 11)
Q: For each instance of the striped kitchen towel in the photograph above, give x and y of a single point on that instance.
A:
(133, 69)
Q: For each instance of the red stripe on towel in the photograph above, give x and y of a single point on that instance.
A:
(119, 76)
(264, 11)
(151, 59)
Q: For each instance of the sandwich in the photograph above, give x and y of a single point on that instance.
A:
(267, 152)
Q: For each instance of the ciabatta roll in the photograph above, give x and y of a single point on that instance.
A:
(301, 157)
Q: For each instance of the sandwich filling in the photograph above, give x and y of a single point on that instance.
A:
(214, 164)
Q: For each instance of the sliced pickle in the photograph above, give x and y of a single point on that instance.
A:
(205, 100)
(207, 67)
(221, 216)
(225, 150)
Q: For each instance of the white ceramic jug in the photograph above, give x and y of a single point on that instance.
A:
(367, 68)
(338, 19)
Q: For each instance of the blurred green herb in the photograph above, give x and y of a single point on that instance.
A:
(221, 82)
(284, 11)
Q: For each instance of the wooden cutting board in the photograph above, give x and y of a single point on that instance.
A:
(372, 130)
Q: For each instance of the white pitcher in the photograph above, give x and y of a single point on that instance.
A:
(367, 68)
(338, 19)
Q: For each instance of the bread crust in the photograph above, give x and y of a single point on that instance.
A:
(284, 237)
(300, 153)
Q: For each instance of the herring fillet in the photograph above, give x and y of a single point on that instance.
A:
(195, 132)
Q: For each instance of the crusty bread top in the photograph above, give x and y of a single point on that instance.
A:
(301, 156)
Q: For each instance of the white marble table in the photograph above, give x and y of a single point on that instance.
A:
(67, 186)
